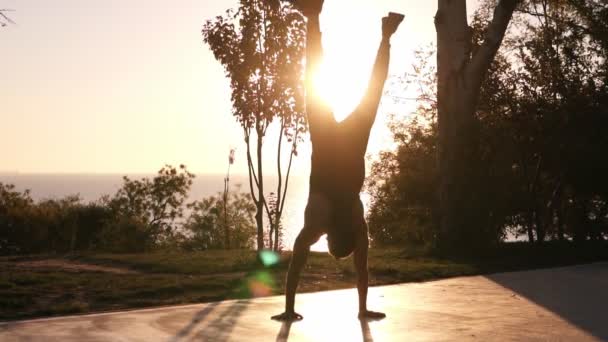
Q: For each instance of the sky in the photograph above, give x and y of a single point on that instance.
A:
(114, 86)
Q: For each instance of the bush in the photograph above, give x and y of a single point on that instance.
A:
(144, 212)
(143, 215)
(211, 225)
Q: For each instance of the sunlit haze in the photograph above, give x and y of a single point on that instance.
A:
(126, 86)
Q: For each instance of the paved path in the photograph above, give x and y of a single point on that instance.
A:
(561, 304)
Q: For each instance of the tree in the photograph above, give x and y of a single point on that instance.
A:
(563, 89)
(541, 118)
(261, 46)
(206, 223)
(15, 228)
(461, 72)
(146, 209)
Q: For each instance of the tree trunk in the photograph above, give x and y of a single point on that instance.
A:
(276, 237)
(560, 225)
(459, 82)
(226, 225)
(270, 234)
(530, 226)
(455, 119)
(259, 215)
(540, 227)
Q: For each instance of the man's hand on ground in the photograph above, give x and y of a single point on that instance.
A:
(288, 316)
(367, 314)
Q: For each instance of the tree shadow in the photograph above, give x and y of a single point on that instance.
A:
(577, 294)
(198, 317)
(220, 328)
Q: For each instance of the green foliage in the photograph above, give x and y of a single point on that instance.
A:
(143, 215)
(541, 117)
(261, 46)
(52, 225)
(144, 211)
(206, 226)
(16, 227)
(401, 187)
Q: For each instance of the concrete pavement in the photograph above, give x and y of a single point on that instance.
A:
(560, 304)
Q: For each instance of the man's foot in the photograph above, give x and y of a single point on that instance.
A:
(390, 24)
(371, 315)
(288, 316)
(309, 8)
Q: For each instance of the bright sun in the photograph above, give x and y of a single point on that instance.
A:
(340, 88)
(349, 53)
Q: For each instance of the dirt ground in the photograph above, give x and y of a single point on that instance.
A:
(68, 266)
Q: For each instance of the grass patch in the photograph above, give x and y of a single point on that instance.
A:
(177, 278)
(200, 263)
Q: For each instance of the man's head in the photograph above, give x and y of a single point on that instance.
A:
(347, 217)
(341, 245)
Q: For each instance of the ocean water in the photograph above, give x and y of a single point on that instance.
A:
(91, 187)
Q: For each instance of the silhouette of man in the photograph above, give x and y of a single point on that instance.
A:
(337, 167)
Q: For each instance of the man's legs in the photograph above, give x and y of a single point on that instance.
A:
(360, 122)
(321, 121)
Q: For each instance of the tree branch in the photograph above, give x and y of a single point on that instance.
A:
(293, 152)
(252, 176)
(493, 38)
(279, 171)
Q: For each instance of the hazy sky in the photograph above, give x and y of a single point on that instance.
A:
(125, 86)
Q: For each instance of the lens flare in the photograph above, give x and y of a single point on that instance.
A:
(269, 258)
(261, 283)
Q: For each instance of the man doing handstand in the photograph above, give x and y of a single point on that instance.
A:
(337, 167)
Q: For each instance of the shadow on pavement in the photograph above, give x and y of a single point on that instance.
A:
(283, 335)
(578, 294)
(365, 331)
(198, 318)
(220, 328)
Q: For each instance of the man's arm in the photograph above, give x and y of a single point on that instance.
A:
(363, 277)
(301, 249)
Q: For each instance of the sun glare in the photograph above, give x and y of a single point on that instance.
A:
(339, 88)
(349, 52)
